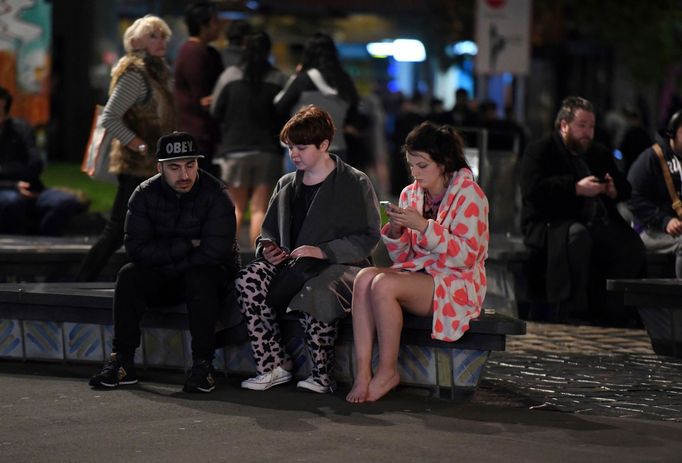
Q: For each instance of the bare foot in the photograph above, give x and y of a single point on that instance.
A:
(358, 393)
(381, 384)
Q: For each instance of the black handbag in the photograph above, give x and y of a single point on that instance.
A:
(290, 278)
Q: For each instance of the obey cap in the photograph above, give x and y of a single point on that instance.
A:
(177, 145)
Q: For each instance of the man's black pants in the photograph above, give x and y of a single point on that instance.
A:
(138, 287)
(596, 253)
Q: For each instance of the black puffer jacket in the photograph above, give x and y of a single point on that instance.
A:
(161, 224)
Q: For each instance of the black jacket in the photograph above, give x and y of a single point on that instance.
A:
(160, 225)
(548, 183)
(650, 203)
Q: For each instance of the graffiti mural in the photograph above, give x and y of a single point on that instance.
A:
(25, 31)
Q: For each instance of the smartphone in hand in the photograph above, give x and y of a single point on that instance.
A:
(387, 205)
(268, 243)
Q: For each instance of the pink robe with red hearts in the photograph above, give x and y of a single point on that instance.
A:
(452, 249)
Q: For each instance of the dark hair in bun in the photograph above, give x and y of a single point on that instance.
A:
(443, 143)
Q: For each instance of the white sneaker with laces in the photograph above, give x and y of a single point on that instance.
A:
(265, 381)
(309, 384)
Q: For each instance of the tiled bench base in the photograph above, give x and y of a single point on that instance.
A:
(431, 367)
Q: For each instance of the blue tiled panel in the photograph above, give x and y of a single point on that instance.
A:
(468, 366)
(219, 360)
(187, 349)
(239, 360)
(343, 371)
(164, 348)
(10, 339)
(108, 333)
(83, 341)
(43, 340)
(417, 365)
(297, 350)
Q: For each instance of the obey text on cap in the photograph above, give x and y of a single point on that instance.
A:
(178, 148)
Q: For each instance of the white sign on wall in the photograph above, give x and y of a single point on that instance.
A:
(503, 36)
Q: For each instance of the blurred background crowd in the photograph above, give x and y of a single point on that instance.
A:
(502, 66)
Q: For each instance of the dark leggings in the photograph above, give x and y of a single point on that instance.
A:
(112, 236)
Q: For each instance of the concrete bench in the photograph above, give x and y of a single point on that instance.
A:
(659, 304)
(49, 258)
(25, 258)
(72, 322)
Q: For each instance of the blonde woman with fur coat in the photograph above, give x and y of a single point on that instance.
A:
(139, 111)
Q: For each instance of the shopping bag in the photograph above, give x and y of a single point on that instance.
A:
(96, 157)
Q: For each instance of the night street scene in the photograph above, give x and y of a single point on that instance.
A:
(307, 230)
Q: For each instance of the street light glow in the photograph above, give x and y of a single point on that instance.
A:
(403, 50)
(466, 47)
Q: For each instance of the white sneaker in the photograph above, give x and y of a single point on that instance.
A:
(310, 384)
(265, 381)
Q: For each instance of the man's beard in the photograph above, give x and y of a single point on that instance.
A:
(576, 145)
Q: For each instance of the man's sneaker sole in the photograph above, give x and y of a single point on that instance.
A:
(198, 389)
(96, 383)
(127, 383)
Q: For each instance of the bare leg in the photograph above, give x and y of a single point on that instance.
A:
(363, 333)
(259, 204)
(390, 293)
(240, 196)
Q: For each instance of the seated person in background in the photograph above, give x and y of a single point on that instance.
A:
(570, 187)
(328, 210)
(503, 134)
(180, 236)
(462, 115)
(651, 203)
(24, 201)
(465, 118)
(438, 240)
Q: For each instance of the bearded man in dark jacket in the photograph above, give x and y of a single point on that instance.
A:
(180, 236)
(570, 187)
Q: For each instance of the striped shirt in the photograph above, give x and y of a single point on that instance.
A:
(130, 89)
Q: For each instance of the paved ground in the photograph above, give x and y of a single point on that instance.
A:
(589, 370)
(558, 394)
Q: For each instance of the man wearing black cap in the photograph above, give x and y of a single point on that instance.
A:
(651, 202)
(180, 236)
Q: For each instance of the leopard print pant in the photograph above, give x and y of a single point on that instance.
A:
(252, 284)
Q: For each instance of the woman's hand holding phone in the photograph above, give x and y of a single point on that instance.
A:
(387, 205)
(403, 217)
(392, 211)
(272, 252)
